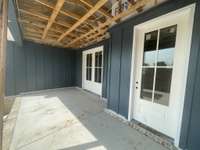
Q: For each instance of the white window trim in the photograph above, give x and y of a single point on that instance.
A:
(93, 50)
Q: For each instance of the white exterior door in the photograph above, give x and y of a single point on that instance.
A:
(162, 48)
(92, 73)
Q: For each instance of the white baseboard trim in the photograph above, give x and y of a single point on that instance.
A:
(116, 115)
(104, 99)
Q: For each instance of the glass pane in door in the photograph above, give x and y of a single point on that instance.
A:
(89, 67)
(147, 84)
(89, 60)
(98, 67)
(150, 44)
(98, 75)
(166, 47)
(89, 74)
(162, 86)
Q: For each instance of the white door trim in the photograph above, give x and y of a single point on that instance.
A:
(92, 51)
(189, 10)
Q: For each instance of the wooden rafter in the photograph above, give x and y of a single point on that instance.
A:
(95, 38)
(33, 14)
(38, 25)
(42, 26)
(33, 35)
(66, 13)
(40, 32)
(91, 24)
(29, 29)
(64, 24)
(131, 9)
(99, 4)
(46, 41)
(51, 20)
(101, 11)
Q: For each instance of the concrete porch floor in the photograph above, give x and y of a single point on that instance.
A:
(71, 119)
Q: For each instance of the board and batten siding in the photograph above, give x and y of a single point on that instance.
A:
(119, 64)
(119, 71)
(33, 67)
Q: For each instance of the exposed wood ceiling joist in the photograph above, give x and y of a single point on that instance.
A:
(37, 25)
(64, 24)
(42, 26)
(131, 9)
(71, 23)
(101, 11)
(53, 17)
(66, 13)
(46, 41)
(99, 4)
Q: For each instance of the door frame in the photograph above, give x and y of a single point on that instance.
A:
(190, 10)
(85, 52)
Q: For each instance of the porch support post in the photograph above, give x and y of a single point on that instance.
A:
(3, 40)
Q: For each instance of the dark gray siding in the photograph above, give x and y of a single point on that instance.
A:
(105, 68)
(19, 69)
(115, 64)
(125, 70)
(36, 67)
(79, 68)
(194, 133)
(119, 70)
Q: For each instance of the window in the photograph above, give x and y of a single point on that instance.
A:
(89, 67)
(98, 67)
(159, 47)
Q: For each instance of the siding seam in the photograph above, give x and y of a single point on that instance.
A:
(119, 96)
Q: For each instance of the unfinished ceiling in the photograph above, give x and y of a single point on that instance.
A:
(71, 23)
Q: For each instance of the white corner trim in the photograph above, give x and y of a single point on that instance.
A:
(191, 9)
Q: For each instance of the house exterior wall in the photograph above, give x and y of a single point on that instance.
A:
(118, 73)
(78, 81)
(33, 67)
(119, 70)
(105, 68)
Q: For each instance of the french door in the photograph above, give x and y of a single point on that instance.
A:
(93, 70)
(162, 50)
